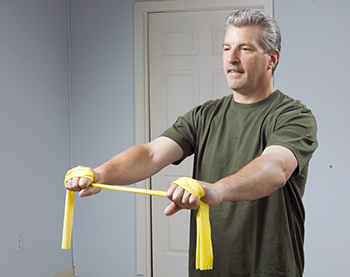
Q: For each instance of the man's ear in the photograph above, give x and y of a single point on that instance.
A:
(274, 57)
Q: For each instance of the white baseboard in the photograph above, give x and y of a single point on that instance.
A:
(68, 272)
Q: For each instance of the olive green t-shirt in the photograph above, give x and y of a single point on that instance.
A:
(257, 238)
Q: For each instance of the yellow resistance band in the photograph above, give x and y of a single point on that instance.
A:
(204, 250)
(204, 253)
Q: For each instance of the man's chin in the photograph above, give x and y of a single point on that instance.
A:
(237, 88)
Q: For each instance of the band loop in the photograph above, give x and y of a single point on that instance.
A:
(204, 250)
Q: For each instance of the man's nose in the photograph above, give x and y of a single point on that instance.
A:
(233, 56)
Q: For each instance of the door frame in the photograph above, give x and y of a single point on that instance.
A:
(142, 119)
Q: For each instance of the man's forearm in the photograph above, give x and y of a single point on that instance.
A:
(138, 162)
(254, 181)
(259, 178)
(128, 167)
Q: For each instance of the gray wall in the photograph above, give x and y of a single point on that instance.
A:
(39, 103)
(315, 59)
(36, 115)
(102, 126)
(34, 136)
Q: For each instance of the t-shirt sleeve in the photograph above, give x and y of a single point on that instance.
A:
(183, 133)
(296, 130)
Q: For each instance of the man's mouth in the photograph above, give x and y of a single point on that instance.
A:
(234, 69)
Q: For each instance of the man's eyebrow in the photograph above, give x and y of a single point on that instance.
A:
(248, 43)
(240, 45)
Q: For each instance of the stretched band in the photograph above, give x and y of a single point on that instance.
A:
(204, 255)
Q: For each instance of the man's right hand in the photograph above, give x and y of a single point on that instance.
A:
(82, 185)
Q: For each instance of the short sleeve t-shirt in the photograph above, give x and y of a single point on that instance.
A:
(250, 238)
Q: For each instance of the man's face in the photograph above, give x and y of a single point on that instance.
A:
(245, 64)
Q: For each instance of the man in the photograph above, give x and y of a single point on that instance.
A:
(252, 150)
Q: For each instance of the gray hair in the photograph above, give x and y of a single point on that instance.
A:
(270, 38)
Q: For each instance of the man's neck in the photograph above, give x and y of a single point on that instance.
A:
(249, 98)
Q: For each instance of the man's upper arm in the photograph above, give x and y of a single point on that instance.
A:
(164, 151)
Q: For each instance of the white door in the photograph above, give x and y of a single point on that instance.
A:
(185, 70)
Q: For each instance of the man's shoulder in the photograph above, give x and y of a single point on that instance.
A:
(287, 103)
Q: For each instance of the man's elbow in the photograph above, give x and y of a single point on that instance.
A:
(284, 175)
(283, 161)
